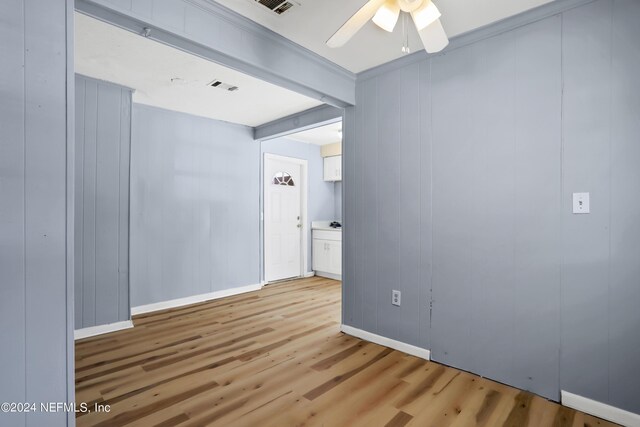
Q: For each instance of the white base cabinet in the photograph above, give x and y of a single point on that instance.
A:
(326, 250)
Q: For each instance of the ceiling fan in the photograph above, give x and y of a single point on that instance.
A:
(385, 14)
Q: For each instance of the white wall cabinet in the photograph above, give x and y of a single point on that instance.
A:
(327, 253)
(333, 168)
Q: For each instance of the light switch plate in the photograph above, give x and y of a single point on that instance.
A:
(581, 203)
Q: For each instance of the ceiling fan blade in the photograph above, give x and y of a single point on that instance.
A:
(433, 37)
(426, 14)
(355, 23)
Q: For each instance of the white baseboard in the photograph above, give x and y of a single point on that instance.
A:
(599, 409)
(329, 275)
(79, 334)
(148, 308)
(387, 342)
(304, 275)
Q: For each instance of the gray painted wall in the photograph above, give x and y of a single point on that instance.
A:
(337, 211)
(497, 207)
(387, 206)
(321, 193)
(475, 205)
(601, 251)
(103, 137)
(194, 206)
(36, 361)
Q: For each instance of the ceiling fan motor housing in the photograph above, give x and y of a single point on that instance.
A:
(410, 5)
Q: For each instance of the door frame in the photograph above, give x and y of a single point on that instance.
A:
(304, 201)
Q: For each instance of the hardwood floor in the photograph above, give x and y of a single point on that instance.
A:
(276, 357)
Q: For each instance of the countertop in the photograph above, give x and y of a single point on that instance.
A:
(324, 226)
(327, 229)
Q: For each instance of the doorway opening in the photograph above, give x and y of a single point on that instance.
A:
(302, 217)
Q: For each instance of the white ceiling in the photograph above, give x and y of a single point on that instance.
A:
(108, 53)
(322, 135)
(312, 23)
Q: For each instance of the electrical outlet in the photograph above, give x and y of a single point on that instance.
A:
(395, 297)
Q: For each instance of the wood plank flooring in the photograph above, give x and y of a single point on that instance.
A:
(276, 357)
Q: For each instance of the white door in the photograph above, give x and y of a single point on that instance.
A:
(282, 219)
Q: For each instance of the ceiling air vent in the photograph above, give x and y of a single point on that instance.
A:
(218, 84)
(277, 6)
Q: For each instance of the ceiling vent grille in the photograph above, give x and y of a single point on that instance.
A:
(277, 6)
(218, 84)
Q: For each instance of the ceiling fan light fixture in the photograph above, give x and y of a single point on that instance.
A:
(387, 15)
(425, 15)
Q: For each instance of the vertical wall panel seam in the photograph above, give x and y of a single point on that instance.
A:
(357, 236)
(81, 164)
(430, 201)
(420, 170)
(612, 11)
(69, 210)
(84, 137)
(24, 185)
(420, 190)
(129, 133)
(359, 117)
(366, 96)
(377, 202)
(84, 146)
(261, 239)
(362, 174)
(399, 152)
(118, 227)
(562, 195)
(95, 212)
(514, 218)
